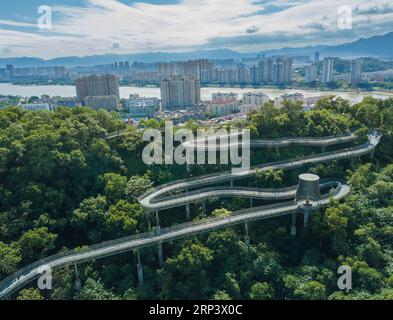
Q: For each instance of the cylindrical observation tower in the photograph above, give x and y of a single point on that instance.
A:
(308, 194)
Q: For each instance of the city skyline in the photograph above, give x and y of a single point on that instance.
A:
(148, 26)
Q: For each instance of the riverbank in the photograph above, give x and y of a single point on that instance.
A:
(206, 92)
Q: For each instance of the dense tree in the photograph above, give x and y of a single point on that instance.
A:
(123, 218)
(113, 186)
(62, 185)
(30, 294)
(261, 291)
(186, 275)
(35, 244)
(9, 258)
(137, 186)
(94, 290)
(90, 217)
(311, 290)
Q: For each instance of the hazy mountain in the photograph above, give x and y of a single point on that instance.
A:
(378, 46)
(141, 57)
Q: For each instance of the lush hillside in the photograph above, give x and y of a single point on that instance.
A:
(62, 185)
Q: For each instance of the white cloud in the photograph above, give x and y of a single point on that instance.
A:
(190, 24)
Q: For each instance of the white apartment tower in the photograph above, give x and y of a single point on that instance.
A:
(311, 73)
(327, 70)
(180, 92)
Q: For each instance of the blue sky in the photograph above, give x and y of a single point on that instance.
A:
(86, 27)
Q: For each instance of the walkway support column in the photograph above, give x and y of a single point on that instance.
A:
(306, 217)
(78, 283)
(293, 228)
(160, 255)
(188, 212)
(157, 219)
(247, 236)
(147, 214)
(139, 268)
(204, 206)
(251, 202)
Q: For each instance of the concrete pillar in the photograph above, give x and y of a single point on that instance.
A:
(251, 203)
(323, 149)
(147, 213)
(306, 217)
(204, 206)
(232, 183)
(247, 236)
(158, 219)
(293, 228)
(160, 255)
(139, 268)
(78, 283)
(278, 151)
(188, 212)
(188, 168)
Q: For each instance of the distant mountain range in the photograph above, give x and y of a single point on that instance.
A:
(377, 46)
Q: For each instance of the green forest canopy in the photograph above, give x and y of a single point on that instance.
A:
(63, 185)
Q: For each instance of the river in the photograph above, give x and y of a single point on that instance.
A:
(69, 91)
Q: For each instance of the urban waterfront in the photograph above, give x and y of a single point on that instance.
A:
(206, 93)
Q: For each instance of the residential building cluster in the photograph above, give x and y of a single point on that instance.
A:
(307, 103)
(33, 73)
(377, 76)
(142, 107)
(184, 68)
(328, 75)
(48, 103)
(274, 70)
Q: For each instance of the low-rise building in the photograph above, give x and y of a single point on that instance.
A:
(255, 98)
(218, 109)
(142, 107)
(102, 102)
(224, 97)
(36, 106)
(278, 102)
(247, 108)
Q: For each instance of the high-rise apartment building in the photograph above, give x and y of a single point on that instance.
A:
(266, 70)
(275, 70)
(184, 68)
(356, 71)
(327, 70)
(316, 57)
(180, 92)
(96, 86)
(311, 73)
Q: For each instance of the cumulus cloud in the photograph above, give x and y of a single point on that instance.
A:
(102, 26)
